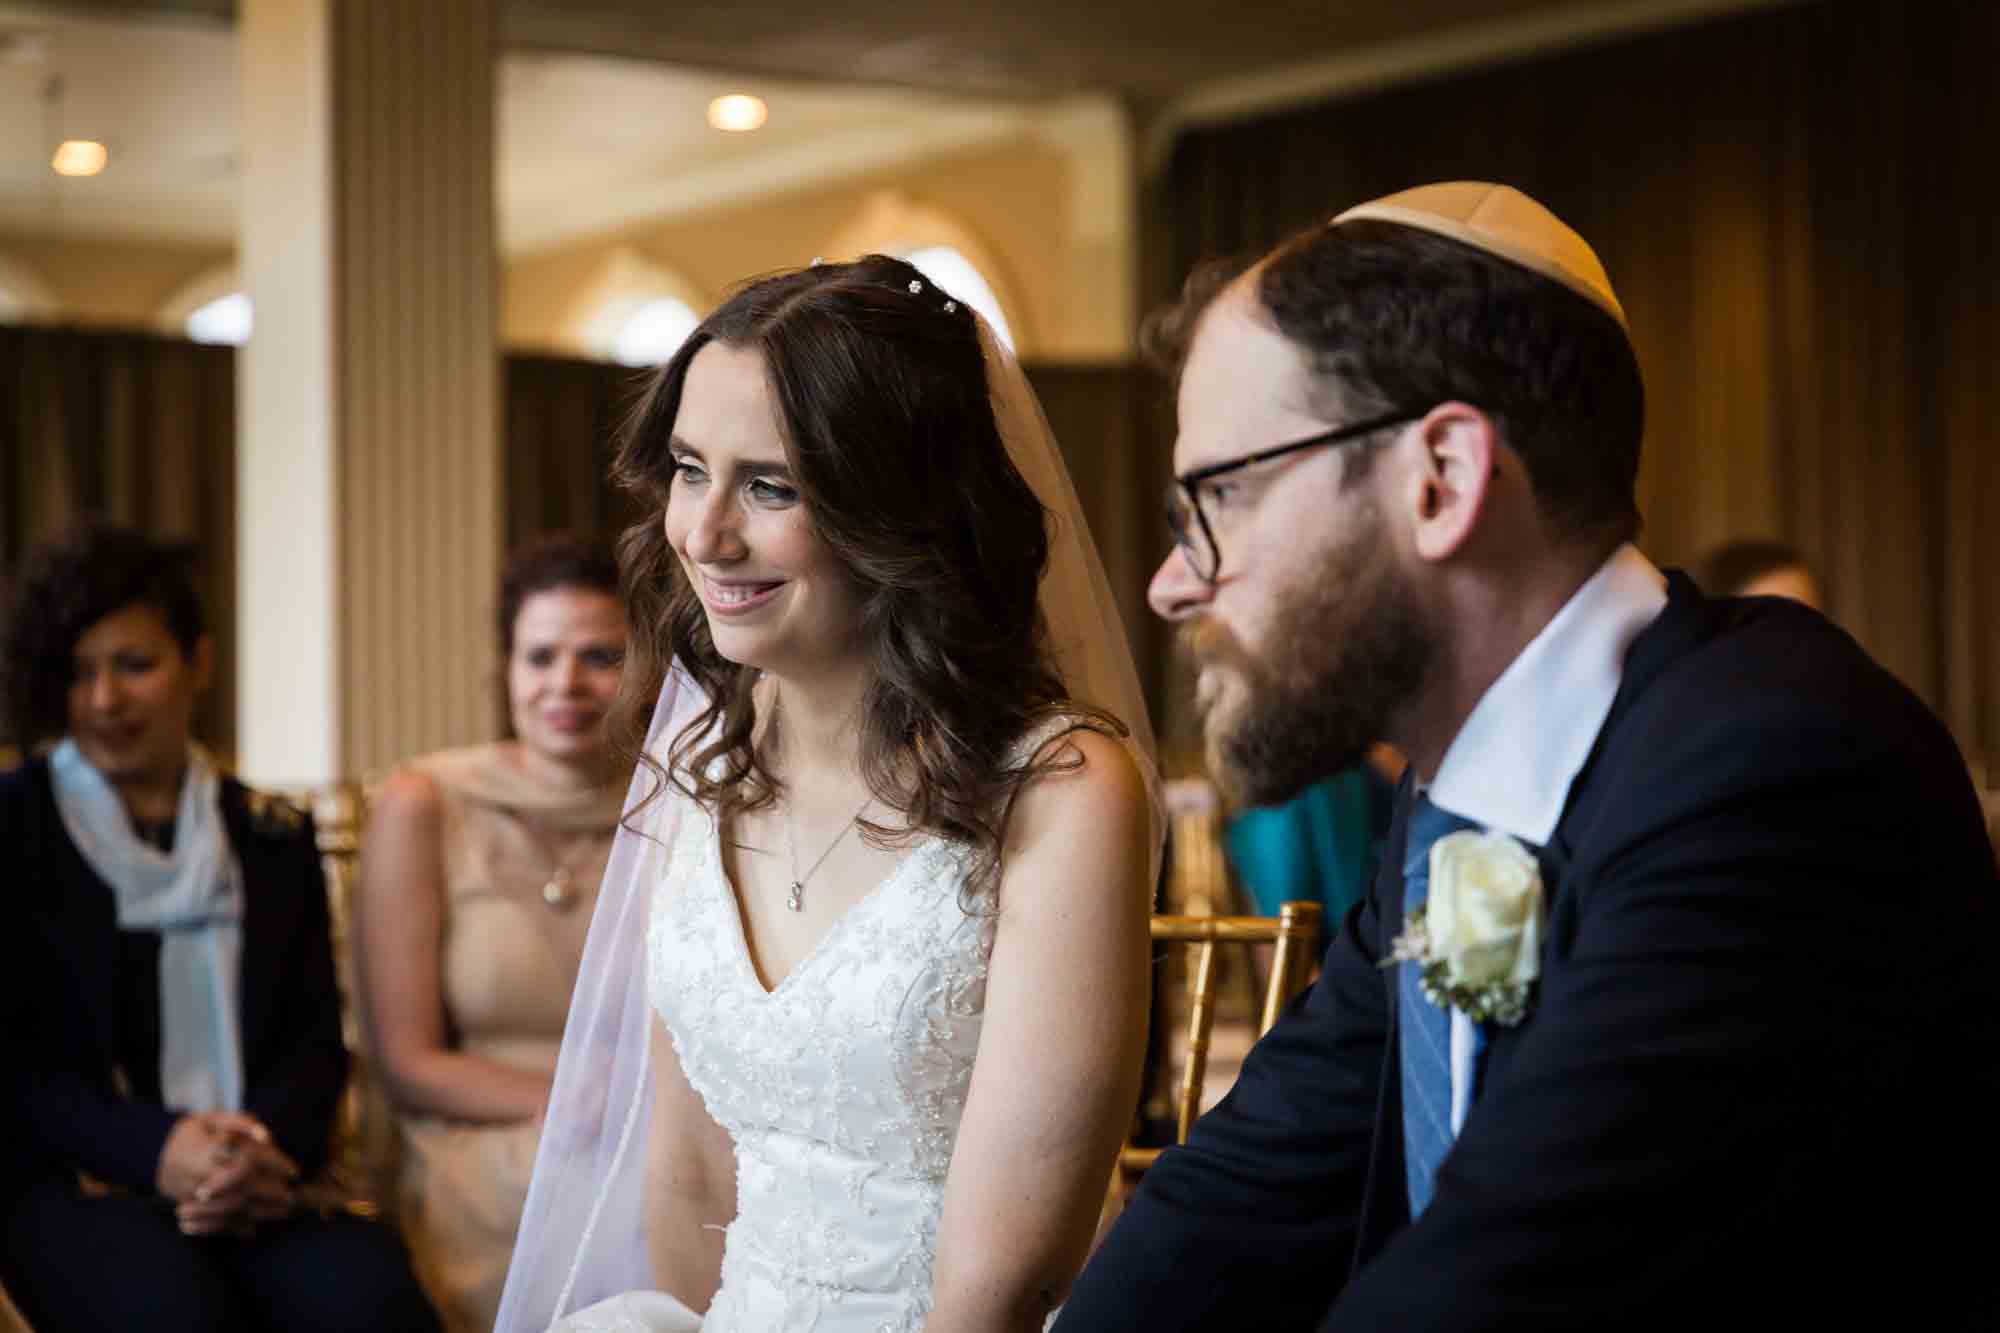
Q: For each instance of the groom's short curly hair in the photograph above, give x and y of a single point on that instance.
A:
(879, 381)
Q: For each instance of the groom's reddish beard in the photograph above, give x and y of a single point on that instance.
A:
(1350, 647)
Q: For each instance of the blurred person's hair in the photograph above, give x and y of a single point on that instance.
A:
(546, 563)
(65, 586)
(1733, 566)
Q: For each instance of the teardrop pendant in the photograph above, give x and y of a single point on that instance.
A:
(557, 892)
(796, 899)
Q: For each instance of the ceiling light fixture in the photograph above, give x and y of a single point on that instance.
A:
(737, 113)
(79, 157)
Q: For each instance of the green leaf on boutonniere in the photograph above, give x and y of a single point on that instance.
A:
(1504, 1003)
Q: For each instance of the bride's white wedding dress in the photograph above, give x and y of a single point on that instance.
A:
(842, 1089)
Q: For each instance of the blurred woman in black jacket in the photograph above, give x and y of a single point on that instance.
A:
(169, 1023)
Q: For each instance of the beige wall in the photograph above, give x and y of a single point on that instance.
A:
(110, 283)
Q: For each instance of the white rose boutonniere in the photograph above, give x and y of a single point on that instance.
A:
(1478, 940)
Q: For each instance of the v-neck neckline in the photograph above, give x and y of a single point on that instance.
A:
(733, 901)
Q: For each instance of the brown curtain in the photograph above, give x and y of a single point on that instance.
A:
(1798, 208)
(561, 423)
(1115, 425)
(136, 429)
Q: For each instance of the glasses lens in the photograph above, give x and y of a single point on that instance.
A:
(1190, 533)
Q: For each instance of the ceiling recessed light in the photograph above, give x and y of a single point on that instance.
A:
(737, 112)
(79, 157)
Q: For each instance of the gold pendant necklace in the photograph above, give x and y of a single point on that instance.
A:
(795, 900)
(559, 891)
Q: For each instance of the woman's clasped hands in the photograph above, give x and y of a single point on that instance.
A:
(225, 1173)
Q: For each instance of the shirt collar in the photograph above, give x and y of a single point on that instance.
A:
(1512, 762)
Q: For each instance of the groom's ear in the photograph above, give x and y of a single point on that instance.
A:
(1458, 448)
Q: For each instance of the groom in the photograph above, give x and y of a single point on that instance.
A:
(1674, 1004)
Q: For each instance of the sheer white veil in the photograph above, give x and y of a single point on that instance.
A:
(584, 1231)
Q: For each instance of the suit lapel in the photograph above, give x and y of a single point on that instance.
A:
(1385, 1201)
(1389, 875)
(255, 982)
(1689, 619)
(82, 919)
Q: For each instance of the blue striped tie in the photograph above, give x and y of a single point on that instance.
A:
(1424, 1029)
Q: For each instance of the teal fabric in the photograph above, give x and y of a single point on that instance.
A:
(1320, 846)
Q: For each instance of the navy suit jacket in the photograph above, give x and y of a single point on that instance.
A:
(1756, 1086)
(64, 1098)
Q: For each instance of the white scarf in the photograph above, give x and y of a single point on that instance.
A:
(193, 896)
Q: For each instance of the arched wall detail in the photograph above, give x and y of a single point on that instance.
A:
(208, 285)
(891, 222)
(25, 298)
(625, 281)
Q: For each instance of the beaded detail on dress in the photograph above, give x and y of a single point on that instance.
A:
(842, 1088)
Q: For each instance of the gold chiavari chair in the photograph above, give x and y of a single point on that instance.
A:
(1196, 911)
(364, 1141)
(1294, 935)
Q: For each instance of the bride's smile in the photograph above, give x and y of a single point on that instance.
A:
(728, 598)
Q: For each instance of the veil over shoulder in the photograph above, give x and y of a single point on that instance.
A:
(588, 1238)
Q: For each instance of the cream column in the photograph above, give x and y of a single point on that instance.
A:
(368, 464)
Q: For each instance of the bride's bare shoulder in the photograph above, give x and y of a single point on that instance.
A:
(1087, 807)
(1080, 756)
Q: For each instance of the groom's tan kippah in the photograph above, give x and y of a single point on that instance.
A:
(1502, 221)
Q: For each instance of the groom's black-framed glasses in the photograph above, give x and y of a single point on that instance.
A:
(1193, 496)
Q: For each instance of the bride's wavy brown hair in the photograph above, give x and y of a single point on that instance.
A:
(889, 432)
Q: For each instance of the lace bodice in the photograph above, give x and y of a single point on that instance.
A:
(842, 1088)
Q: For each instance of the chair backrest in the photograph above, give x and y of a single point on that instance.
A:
(1198, 881)
(339, 816)
(1294, 935)
(364, 1141)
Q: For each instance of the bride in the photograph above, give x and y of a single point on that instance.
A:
(862, 1008)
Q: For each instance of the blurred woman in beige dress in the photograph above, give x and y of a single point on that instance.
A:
(477, 881)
